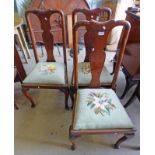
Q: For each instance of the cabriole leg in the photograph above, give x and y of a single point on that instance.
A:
(122, 139)
(66, 92)
(28, 96)
(72, 96)
(72, 138)
(66, 98)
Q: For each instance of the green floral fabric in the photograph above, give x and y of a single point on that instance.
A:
(99, 109)
(100, 102)
(84, 74)
(47, 73)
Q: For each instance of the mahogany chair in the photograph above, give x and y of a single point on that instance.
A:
(19, 72)
(103, 14)
(49, 74)
(97, 109)
(99, 14)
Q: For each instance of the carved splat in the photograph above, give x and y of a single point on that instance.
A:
(48, 39)
(89, 15)
(95, 49)
(93, 13)
(95, 39)
(97, 59)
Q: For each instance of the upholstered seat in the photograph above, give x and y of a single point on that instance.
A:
(85, 76)
(46, 73)
(99, 109)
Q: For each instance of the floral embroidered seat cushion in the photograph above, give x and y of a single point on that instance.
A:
(99, 109)
(46, 73)
(85, 74)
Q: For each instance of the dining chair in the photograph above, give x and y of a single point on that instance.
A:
(97, 109)
(19, 71)
(50, 74)
(99, 14)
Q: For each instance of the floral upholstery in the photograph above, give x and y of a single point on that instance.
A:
(46, 73)
(84, 74)
(99, 109)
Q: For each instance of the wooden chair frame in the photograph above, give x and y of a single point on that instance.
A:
(19, 72)
(89, 15)
(97, 58)
(48, 38)
(92, 13)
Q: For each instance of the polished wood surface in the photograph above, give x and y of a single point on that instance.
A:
(131, 60)
(69, 30)
(134, 20)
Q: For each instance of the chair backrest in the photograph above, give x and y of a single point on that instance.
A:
(89, 15)
(93, 13)
(47, 31)
(97, 34)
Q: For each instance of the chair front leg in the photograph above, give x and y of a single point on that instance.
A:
(122, 139)
(130, 100)
(28, 96)
(127, 87)
(72, 138)
(66, 98)
(114, 64)
(66, 92)
(129, 84)
(72, 95)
